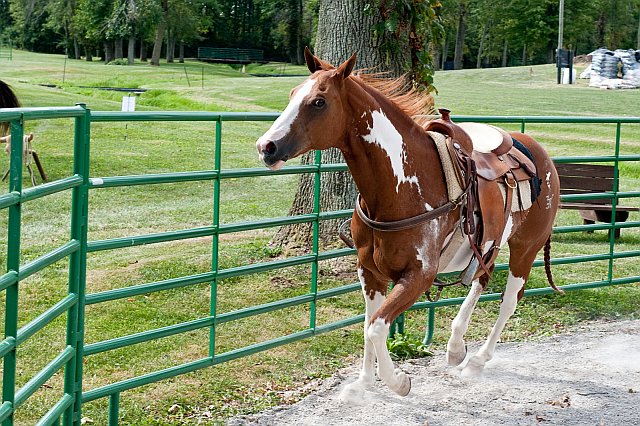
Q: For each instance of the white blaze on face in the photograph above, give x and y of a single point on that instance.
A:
(282, 125)
(387, 137)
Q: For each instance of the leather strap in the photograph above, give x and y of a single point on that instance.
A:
(402, 224)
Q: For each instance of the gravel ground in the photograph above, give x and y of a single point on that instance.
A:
(590, 376)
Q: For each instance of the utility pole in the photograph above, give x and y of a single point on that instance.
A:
(561, 25)
(560, 36)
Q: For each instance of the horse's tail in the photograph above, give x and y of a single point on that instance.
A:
(547, 265)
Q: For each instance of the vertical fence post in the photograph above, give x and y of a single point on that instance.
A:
(431, 320)
(614, 202)
(78, 267)
(13, 264)
(215, 238)
(114, 409)
(315, 243)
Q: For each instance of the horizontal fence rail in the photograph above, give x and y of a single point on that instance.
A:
(72, 307)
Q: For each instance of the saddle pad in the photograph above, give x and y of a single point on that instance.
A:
(454, 189)
(521, 197)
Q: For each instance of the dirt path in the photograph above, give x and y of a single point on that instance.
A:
(588, 377)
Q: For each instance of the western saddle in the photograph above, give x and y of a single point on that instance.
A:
(481, 175)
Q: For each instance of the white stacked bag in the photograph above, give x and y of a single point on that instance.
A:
(615, 70)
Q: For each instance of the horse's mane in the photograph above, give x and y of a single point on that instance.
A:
(415, 103)
(8, 99)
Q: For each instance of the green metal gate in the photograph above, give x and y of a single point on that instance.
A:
(70, 360)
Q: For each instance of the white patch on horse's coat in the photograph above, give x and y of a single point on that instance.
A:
(282, 125)
(386, 136)
(426, 250)
(549, 200)
(428, 207)
(507, 231)
(485, 138)
(548, 180)
(460, 260)
(487, 246)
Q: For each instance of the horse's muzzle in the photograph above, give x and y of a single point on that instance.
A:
(269, 154)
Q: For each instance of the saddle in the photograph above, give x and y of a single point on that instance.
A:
(488, 174)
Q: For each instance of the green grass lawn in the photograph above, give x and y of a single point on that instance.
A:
(268, 378)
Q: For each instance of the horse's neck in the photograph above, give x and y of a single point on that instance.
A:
(393, 161)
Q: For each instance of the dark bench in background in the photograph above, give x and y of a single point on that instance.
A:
(590, 178)
(230, 56)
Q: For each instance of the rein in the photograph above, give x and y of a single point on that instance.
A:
(410, 222)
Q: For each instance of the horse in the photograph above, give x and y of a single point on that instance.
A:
(8, 99)
(405, 219)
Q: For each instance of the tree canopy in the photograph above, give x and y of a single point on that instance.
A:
(464, 34)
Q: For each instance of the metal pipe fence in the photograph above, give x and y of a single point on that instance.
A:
(69, 361)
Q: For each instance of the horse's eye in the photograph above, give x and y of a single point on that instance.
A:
(319, 102)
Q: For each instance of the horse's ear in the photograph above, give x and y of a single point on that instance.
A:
(314, 63)
(347, 66)
(310, 60)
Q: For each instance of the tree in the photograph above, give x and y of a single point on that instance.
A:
(160, 29)
(460, 34)
(380, 32)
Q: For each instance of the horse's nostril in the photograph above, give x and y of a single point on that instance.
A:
(270, 148)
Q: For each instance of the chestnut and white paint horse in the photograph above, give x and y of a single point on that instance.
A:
(397, 170)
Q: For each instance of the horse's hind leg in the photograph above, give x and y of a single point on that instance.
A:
(522, 254)
(456, 348)
(374, 292)
(510, 298)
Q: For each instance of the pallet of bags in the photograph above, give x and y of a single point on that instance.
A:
(615, 70)
(630, 67)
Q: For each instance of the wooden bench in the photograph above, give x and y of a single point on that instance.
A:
(590, 178)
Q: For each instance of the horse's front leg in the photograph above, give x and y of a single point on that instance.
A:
(403, 295)
(374, 291)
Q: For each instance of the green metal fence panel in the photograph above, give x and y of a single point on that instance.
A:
(68, 408)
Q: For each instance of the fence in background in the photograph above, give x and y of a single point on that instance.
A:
(70, 360)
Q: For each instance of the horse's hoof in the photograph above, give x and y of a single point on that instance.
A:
(455, 358)
(474, 368)
(352, 393)
(404, 383)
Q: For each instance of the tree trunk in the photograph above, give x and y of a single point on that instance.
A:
(76, 48)
(445, 51)
(181, 52)
(524, 55)
(435, 53)
(131, 50)
(343, 28)
(108, 51)
(157, 45)
(459, 51)
(171, 46)
(295, 32)
(505, 53)
(143, 51)
(118, 48)
(485, 30)
(638, 39)
(87, 54)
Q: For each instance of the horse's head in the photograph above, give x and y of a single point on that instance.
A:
(313, 119)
